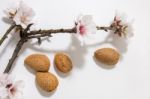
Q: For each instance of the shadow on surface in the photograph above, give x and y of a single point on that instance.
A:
(75, 51)
(119, 43)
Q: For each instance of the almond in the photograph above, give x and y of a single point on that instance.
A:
(63, 62)
(47, 81)
(38, 62)
(107, 56)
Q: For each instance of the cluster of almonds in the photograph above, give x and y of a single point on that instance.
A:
(41, 64)
(48, 81)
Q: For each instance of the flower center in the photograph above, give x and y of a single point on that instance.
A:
(23, 19)
(12, 90)
(12, 14)
(82, 30)
(8, 86)
(118, 27)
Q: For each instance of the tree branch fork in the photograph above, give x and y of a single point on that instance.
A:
(26, 34)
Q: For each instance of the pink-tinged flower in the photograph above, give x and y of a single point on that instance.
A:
(10, 89)
(121, 27)
(84, 27)
(24, 15)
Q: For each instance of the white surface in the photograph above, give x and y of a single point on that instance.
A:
(129, 79)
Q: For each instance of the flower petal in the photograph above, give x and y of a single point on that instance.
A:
(79, 18)
(3, 93)
(121, 27)
(18, 95)
(27, 11)
(81, 39)
(5, 79)
(86, 19)
(130, 30)
(18, 90)
(24, 15)
(19, 85)
(121, 16)
(85, 27)
(12, 8)
(91, 28)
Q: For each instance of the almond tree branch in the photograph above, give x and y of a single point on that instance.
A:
(6, 34)
(42, 33)
(15, 55)
(25, 35)
(23, 39)
(39, 36)
(73, 30)
(103, 28)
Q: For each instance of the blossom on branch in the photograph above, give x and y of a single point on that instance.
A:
(20, 13)
(11, 11)
(121, 27)
(10, 89)
(24, 15)
(84, 27)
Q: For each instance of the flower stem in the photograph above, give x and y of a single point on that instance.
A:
(104, 28)
(43, 33)
(7, 32)
(73, 30)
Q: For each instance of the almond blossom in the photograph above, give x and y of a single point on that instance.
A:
(20, 13)
(12, 8)
(121, 27)
(24, 15)
(11, 12)
(84, 27)
(10, 89)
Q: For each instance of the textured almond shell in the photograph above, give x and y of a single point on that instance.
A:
(107, 56)
(38, 62)
(63, 62)
(47, 81)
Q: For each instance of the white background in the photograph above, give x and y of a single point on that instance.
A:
(129, 79)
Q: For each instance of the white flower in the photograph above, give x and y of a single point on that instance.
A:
(121, 27)
(10, 89)
(84, 27)
(24, 15)
(20, 13)
(11, 10)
